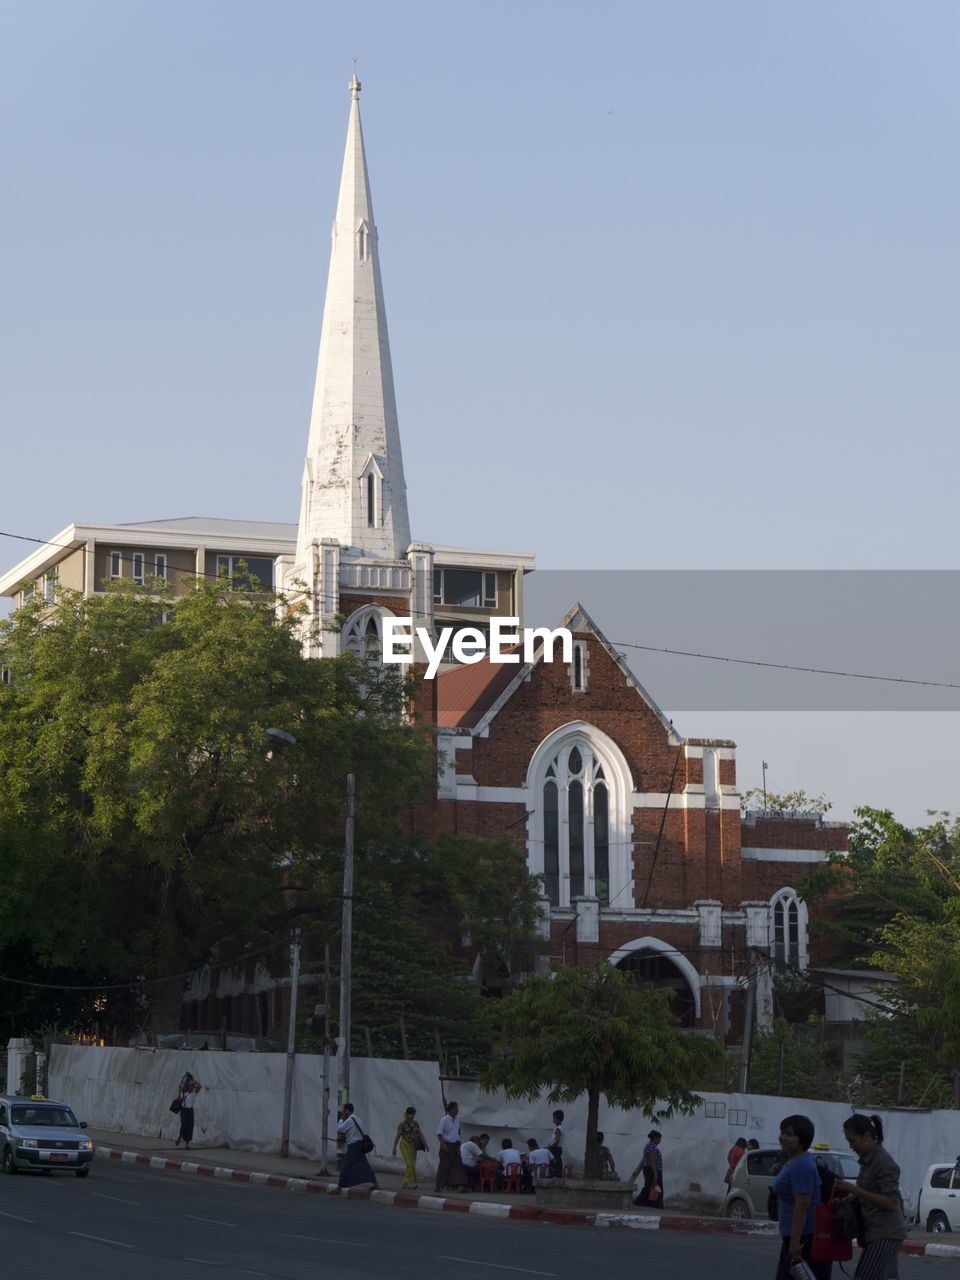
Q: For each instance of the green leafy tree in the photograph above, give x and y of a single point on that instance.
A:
(893, 903)
(427, 918)
(147, 828)
(144, 830)
(595, 1032)
(787, 1061)
(789, 804)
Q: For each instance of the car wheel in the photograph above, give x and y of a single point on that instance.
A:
(738, 1209)
(938, 1222)
(8, 1164)
(83, 1173)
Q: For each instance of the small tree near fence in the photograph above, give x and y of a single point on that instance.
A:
(595, 1032)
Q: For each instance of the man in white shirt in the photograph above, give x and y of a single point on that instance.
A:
(508, 1153)
(449, 1166)
(538, 1155)
(471, 1153)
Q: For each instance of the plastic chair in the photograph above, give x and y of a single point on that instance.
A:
(540, 1171)
(568, 1170)
(511, 1178)
(488, 1175)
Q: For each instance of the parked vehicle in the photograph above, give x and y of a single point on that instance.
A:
(36, 1133)
(938, 1205)
(751, 1188)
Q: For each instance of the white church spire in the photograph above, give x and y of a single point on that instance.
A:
(353, 486)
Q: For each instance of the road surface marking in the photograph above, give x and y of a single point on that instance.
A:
(216, 1221)
(290, 1235)
(100, 1239)
(103, 1196)
(498, 1265)
(16, 1217)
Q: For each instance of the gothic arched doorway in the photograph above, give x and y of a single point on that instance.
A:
(659, 966)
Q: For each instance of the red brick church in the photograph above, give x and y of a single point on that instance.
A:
(635, 829)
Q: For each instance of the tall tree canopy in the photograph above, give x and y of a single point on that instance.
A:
(893, 903)
(145, 825)
(594, 1032)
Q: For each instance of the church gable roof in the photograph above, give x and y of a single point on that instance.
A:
(471, 697)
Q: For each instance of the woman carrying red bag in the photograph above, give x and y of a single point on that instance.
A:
(878, 1191)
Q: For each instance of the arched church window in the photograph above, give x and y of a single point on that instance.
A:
(575, 799)
(362, 633)
(371, 500)
(788, 929)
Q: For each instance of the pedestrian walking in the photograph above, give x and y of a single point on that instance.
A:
(355, 1168)
(450, 1171)
(734, 1156)
(651, 1168)
(187, 1091)
(797, 1188)
(877, 1191)
(410, 1138)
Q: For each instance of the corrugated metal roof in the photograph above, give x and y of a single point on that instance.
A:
(463, 695)
(215, 525)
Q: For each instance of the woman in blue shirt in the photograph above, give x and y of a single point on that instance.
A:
(797, 1188)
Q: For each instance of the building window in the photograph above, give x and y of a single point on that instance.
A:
(51, 580)
(116, 564)
(246, 567)
(362, 633)
(371, 501)
(28, 592)
(5, 676)
(576, 826)
(138, 566)
(465, 588)
(160, 565)
(788, 929)
(579, 670)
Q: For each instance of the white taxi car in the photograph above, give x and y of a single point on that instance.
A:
(36, 1133)
(938, 1205)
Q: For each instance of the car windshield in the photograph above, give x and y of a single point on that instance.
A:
(55, 1117)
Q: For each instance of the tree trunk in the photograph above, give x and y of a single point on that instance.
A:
(591, 1156)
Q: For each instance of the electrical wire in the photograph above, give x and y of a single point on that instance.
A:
(785, 666)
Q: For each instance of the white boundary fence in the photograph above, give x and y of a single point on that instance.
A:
(130, 1090)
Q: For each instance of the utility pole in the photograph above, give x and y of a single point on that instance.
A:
(346, 948)
(291, 1040)
(325, 1117)
(748, 1025)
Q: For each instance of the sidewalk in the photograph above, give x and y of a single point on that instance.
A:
(298, 1174)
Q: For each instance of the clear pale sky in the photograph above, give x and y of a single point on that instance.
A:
(669, 286)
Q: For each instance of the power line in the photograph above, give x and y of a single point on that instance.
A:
(784, 666)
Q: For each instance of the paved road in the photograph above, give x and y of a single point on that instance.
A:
(123, 1221)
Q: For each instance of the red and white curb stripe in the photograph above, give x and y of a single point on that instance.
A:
(489, 1208)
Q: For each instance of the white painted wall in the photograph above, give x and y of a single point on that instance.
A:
(129, 1091)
